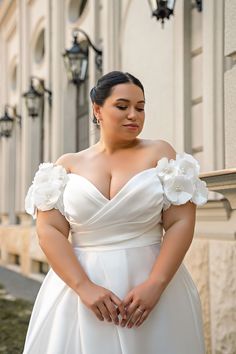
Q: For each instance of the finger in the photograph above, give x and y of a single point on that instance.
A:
(129, 313)
(120, 305)
(142, 318)
(122, 311)
(128, 299)
(104, 311)
(135, 317)
(97, 312)
(112, 310)
(132, 308)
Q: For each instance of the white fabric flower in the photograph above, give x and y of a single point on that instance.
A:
(200, 195)
(47, 188)
(187, 165)
(178, 189)
(180, 181)
(166, 169)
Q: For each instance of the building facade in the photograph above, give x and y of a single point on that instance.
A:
(189, 74)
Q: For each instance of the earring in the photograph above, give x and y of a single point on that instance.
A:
(97, 121)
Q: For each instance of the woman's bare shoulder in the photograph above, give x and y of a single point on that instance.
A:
(65, 161)
(161, 148)
(68, 160)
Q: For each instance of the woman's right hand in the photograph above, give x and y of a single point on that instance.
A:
(103, 302)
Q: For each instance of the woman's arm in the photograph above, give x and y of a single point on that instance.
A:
(178, 223)
(53, 232)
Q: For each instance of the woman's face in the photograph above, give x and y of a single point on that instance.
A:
(122, 114)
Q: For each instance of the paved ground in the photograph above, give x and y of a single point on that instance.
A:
(18, 285)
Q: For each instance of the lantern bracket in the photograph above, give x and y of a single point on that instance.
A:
(41, 88)
(98, 58)
(15, 114)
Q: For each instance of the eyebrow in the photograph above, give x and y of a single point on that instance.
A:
(125, 100)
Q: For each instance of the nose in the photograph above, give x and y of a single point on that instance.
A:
(132, 113)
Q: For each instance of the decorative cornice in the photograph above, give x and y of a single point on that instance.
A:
(224, 182)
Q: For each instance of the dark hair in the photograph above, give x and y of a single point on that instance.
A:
(102, 90)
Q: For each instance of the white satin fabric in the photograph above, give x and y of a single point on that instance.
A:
(117, 242)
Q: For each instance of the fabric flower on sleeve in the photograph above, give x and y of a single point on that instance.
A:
(180, 181)
(188, 165)
(46, 191)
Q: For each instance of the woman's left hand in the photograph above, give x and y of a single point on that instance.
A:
(139, 302)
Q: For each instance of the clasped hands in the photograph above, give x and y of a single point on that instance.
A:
(133, 310)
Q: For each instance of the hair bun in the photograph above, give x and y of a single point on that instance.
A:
(93, 94)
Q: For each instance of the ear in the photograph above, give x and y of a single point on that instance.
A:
(97, 110)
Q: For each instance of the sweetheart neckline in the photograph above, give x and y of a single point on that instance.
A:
(122, 188)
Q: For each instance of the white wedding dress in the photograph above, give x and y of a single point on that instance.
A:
(117, 242)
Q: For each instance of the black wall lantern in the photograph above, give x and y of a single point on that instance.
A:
(163, 9)
(198, 5)
(34, 96)
(7, 121)
(76, 58)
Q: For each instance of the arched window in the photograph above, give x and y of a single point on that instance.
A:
(39, 49)
(76, 9)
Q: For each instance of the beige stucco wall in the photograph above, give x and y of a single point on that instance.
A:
(211, 264)
(20, 241)
(230, 79)
(197, 262)
(155, 69)
(230, 121)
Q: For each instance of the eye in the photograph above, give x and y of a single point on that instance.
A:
(121, 107)
(140, 109)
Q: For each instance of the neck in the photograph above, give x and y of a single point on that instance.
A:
(109, 145)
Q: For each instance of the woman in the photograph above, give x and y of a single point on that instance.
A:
(120, 285)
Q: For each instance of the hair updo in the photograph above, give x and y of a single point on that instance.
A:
(102, 90)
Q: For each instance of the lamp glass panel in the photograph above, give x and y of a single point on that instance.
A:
(171, 4)
(75, 65)
(68, 68)
(1, 126)
(83, 70)
(30, 102)
(6, 126)
(33, 105)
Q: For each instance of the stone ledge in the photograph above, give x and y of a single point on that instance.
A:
(214, 209)
(224, 182)
(220, 236)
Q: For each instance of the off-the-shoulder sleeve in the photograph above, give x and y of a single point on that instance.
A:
(46, 190)
(180, 181)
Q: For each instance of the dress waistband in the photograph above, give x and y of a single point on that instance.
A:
(111, 247)
(148, 238)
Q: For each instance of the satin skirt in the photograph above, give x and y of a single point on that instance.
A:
(61, 324)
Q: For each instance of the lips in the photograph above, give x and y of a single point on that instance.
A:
(131, 125)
